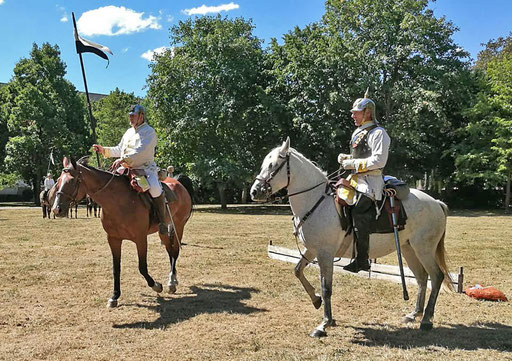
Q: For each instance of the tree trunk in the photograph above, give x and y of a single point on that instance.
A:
(507, 193)
(37, 189)
(222, 195)
(244, 195)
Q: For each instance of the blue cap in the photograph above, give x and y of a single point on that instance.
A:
(136, 109)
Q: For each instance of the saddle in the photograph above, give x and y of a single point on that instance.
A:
(384, 222)
(139, 183)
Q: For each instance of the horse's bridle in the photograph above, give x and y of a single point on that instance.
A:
(267, 188)
(78, 180)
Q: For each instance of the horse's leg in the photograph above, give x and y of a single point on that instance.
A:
(421, 278)
(76, 210)
(426, 254)
(325, 261)
(44, 211)
(299, 273)
(142, 251)
(115, 248)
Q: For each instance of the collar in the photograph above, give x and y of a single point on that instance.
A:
(367, 125)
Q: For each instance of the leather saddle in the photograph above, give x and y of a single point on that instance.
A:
(135, 176)
(384, 223)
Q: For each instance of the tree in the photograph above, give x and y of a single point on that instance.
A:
(403, 53)
(43, 112)
(111, 113)
(208, 101)
(485, 155)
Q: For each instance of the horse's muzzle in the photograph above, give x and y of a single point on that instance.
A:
(260, 192)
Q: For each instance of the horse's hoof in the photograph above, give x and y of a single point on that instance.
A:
(157, 287)
(171, 288)
(317, 303)
(318, 333)
(408, 319)
(112, 303)
(427, 326)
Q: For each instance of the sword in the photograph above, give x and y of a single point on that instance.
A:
(397, 242)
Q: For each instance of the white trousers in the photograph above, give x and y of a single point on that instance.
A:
(155, 189)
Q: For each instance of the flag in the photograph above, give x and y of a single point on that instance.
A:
(87, 46)
(51, 157)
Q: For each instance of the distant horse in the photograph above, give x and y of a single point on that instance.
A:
(125, 215)
(45, 199)
(325, 236)
(91, 204)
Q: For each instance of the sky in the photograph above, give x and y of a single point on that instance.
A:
(134, 30)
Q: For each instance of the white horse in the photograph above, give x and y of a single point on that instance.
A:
(324, 237)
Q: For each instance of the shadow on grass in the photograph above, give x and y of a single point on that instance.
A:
(205, 299)
(493, 336)
(247, 209)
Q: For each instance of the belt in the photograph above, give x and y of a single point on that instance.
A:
(371, 172)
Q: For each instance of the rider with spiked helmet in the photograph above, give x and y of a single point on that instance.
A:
(369, 147)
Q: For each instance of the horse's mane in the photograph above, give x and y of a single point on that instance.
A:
(84, 162)
(303, 159)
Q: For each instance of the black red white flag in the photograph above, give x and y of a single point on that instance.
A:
(87, 46)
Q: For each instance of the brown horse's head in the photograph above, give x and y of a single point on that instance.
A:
(68, 187)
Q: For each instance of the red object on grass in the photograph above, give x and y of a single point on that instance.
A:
(486, 293)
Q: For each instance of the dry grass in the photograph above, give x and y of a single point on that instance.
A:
(233, 303)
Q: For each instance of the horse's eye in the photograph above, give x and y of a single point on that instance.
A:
(270, 166)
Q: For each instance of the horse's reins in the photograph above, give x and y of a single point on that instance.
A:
(315, 206)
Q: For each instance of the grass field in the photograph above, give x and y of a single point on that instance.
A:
(233, 302)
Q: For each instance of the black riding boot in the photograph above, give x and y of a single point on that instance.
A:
(161, 211)
(363, 215)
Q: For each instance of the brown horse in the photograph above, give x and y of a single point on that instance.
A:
(46, 199)
(125, 215)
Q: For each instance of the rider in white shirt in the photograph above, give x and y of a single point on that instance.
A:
(136, 150)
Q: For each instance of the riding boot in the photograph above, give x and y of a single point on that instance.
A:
(361, 263)
(363, 215)
(161, 211)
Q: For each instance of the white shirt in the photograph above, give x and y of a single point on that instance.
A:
(136, 148)
(48, 183)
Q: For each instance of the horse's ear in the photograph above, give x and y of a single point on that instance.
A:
(285, 147)
(65, 162)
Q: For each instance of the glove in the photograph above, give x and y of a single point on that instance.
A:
(342, 157)
(348, 164)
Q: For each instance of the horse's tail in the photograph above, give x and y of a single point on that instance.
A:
(441, 253)
(187, 183)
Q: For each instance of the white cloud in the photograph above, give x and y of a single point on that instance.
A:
(149, 55)
(203, 9)
(112, 20)
(64, 17)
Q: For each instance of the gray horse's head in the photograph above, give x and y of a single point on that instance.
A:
(274, 174)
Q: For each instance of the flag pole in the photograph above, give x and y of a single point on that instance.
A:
(91, 118)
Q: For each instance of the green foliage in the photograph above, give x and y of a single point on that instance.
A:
(418, 77)
(43, 112)
(208, 101)
(111, 114)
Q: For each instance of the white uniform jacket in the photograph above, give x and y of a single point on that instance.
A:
(367, 176)
(136, 148)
